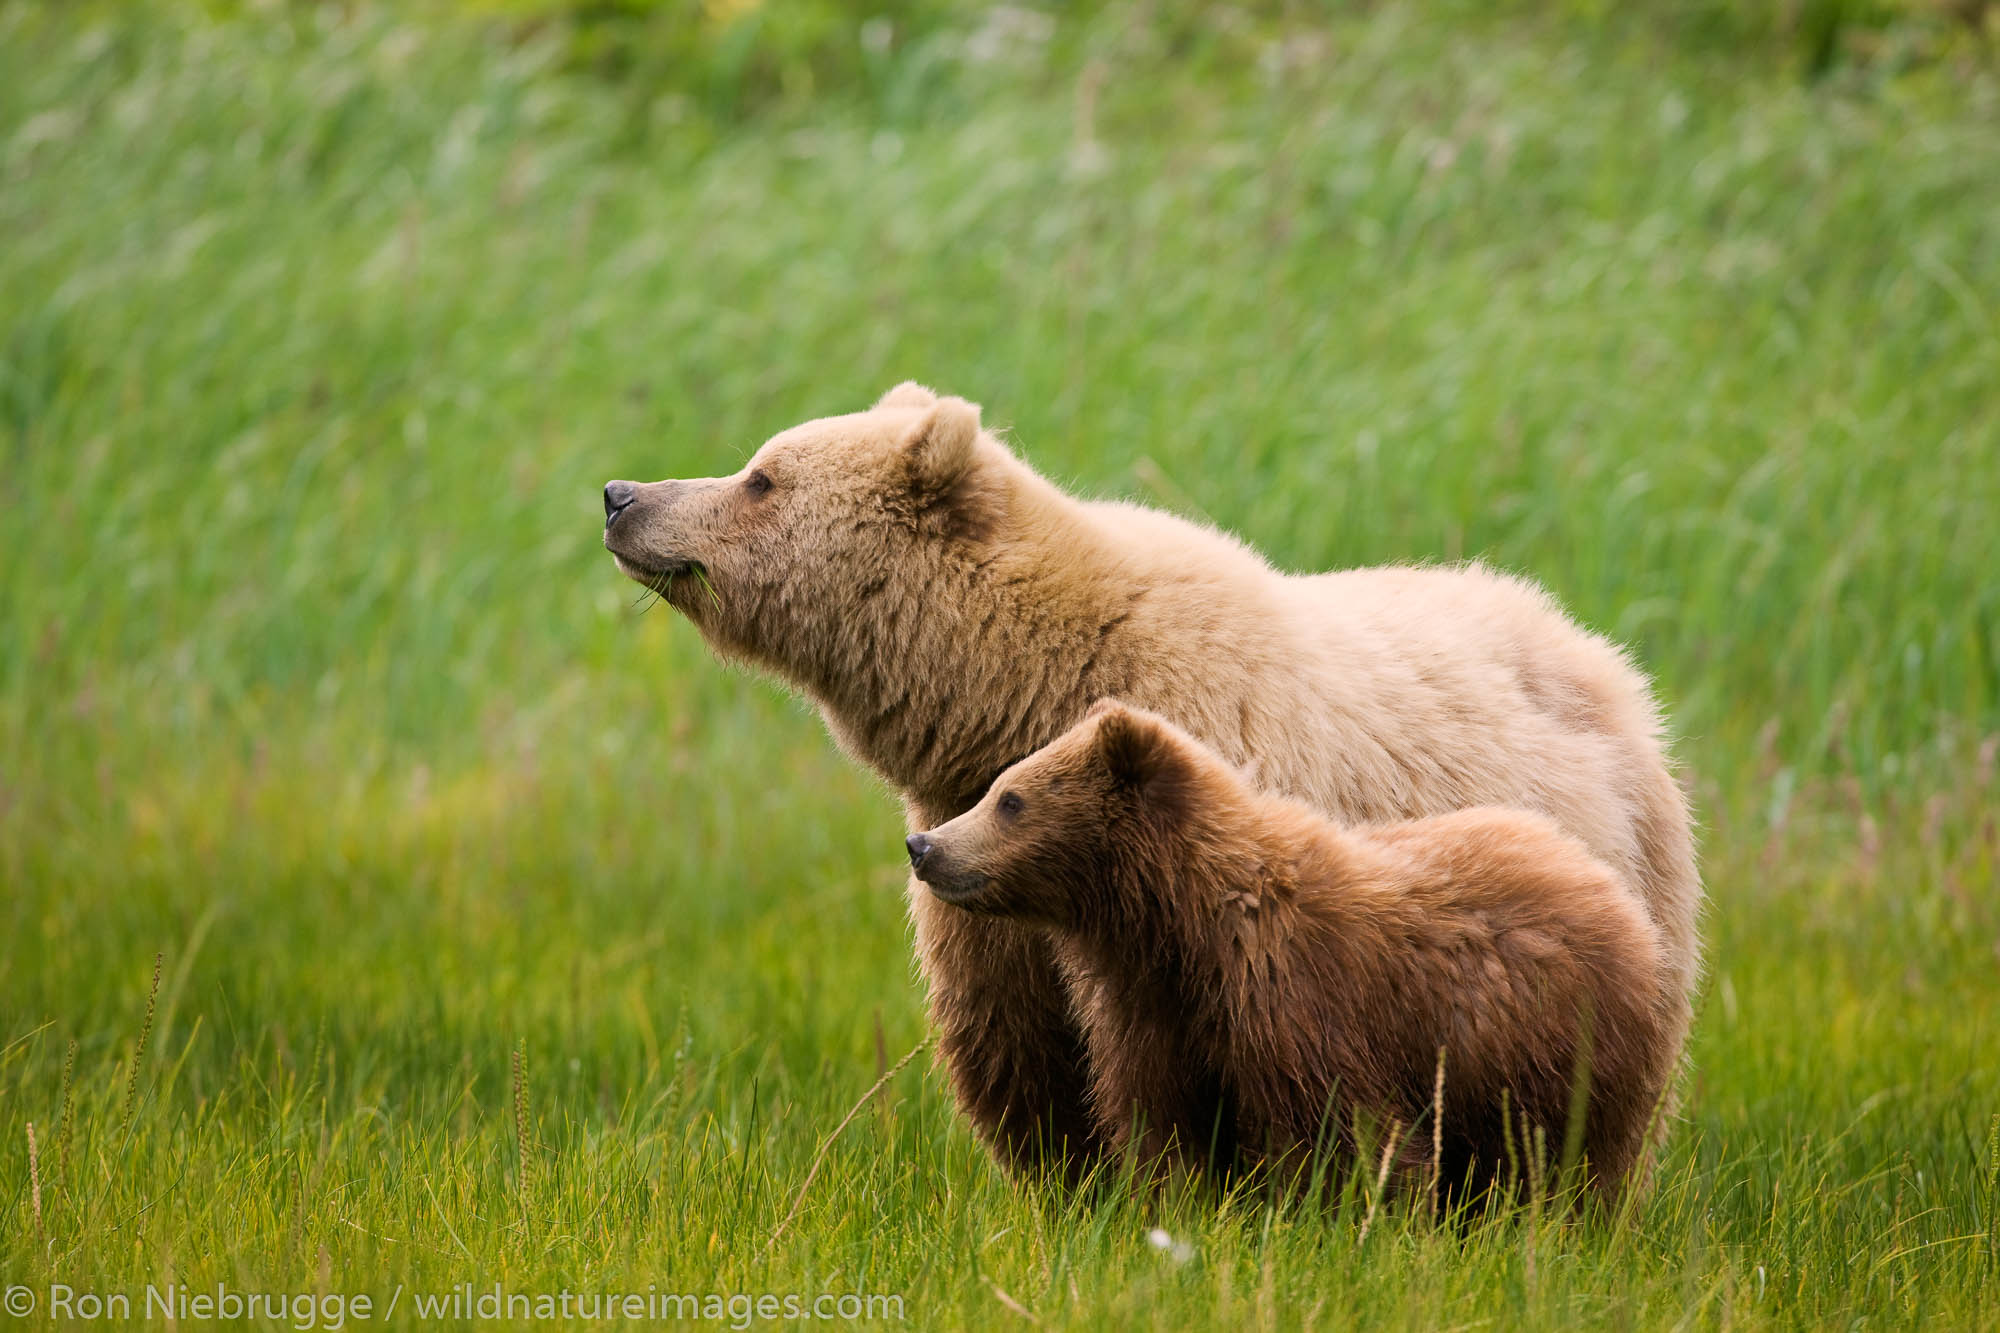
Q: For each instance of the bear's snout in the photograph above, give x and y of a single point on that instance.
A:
(945, 875)
(643, 530)
(617, 495)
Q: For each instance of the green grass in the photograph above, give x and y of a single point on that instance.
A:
(318, 335)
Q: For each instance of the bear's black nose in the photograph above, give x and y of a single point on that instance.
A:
(920, 847)
(617, 494)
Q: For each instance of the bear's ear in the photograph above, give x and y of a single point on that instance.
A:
(1134, 747)
(907, 394)
(1108, 703)
(939, 447)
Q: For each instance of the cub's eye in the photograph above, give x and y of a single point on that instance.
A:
(758, 482)
(1011, 805)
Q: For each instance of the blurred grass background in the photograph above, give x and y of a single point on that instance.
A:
(321, 326)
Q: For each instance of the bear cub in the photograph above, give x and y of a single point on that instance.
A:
(1255, 982)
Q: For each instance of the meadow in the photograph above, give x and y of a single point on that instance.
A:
(505, 937)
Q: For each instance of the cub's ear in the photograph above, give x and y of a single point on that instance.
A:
(939, 447)
(907, 394)
(1133, 745)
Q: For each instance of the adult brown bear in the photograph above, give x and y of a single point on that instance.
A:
(950, 611)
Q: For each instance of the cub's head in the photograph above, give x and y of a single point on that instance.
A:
(774, 558)
(1105, 797)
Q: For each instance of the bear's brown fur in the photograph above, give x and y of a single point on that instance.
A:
(1254, 980)
(951, 611)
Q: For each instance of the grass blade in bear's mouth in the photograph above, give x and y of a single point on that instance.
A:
(659, 579)
(648, 571)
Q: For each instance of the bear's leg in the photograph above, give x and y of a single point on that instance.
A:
(1014, 1054)
(1164, 1147)
(1157, 1104)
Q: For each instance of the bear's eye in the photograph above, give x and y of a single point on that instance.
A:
(1011, 805)
(758, 482)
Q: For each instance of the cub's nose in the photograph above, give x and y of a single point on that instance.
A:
(618, 494)
(920, 847)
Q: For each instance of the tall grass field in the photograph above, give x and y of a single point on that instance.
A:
(399, 916)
